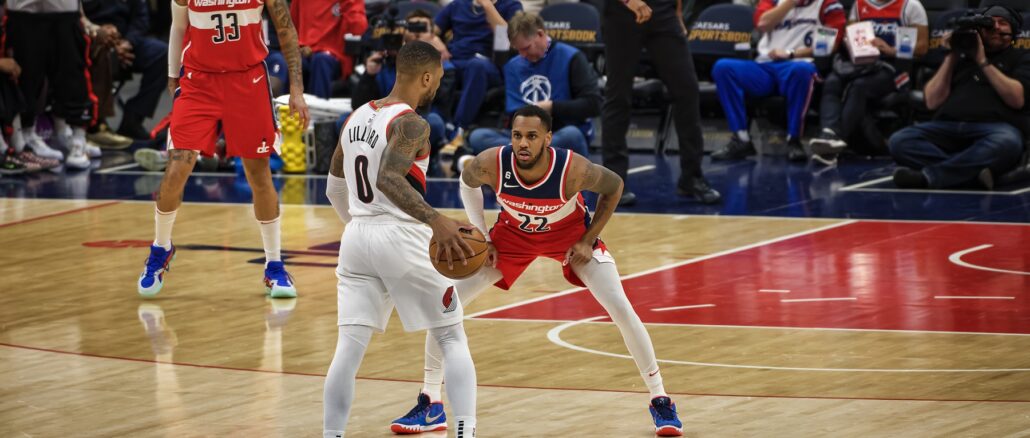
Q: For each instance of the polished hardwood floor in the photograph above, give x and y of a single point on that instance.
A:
(81, 353)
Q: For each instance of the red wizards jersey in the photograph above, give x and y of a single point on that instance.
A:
(540, 207)
(885, 17)
(224, 35)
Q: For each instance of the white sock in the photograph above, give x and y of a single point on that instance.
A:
(338, 395)
(270, 239)
(603, 281)
(464, 427)
(743, 135)
(163, 223)
(79, 134)
(654, 382)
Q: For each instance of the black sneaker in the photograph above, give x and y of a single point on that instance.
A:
(10, 165)
(736, 149)
(628, 198)
(906, 178)
(826, 147)
(698, 188)
(795, 151)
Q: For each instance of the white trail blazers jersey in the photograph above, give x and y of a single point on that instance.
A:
(364, 139)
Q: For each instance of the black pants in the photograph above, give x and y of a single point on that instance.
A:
(52, 49)
(845, 103)
(667, 46)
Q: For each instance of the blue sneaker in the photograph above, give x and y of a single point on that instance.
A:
(152, 279)
(278, 282)
(666, 422)
(424, 417)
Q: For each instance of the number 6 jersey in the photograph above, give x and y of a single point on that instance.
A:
(224, 35)
(540, 207)
(363, 138)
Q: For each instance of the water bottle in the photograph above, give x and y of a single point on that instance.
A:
(905, 47)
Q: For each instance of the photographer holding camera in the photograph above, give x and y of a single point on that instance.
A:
(381, 73)
(979, 94)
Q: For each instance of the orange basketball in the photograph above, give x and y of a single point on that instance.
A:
(475, 240)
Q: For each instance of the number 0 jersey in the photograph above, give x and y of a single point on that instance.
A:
(363, 139)
(224, 35)
(540, 207)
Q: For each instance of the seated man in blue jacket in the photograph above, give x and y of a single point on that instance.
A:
(549, 74)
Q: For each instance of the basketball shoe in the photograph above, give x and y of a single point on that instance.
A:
(424, 417)
(278, 282)
(152, 279)
(666, 422)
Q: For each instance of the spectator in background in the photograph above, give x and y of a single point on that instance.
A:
(321, 26)
(381, 74)
(549, 74)
(980, 102)
(783, 67)
(49, 43)
(124, 27)
(628, 27)
(472, 23)
(847, 92)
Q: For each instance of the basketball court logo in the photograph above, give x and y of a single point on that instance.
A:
(449, 303)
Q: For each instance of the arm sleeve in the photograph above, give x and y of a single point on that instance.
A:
(180, 19)
(472, 199)
(336, 191)
(139, 24)
(586, 95)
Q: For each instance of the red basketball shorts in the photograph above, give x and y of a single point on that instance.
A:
(240, 101)
(516, 249)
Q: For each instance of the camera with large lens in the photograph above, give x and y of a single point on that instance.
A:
(964, 38)
(386, 33)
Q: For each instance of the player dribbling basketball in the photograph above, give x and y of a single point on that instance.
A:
(543, 215)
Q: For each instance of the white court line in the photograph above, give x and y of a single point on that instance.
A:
(671, 265)
(963, 297)
(956, 258)
(640, 169)
(775, 291)
(766, 327)
(864, 184)
(812, 300)
(862, 187)
(117, 168)
(554, 335)
(695, 306)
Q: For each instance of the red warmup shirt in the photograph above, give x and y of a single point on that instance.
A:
(321, 25)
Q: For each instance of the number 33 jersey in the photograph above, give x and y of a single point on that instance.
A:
(224, 35)
(363, 139)
(541, 207)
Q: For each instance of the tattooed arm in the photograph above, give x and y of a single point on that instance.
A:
(584, 175)
(280, 13)
(409, 138)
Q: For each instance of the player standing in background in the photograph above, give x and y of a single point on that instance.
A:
(377, 184)
(543, 215)
(224, 80)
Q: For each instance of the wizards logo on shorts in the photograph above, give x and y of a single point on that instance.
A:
(449, 303)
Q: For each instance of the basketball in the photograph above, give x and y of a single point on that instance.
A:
(475, 240)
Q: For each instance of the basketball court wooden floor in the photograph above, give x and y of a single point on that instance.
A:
(765, 327)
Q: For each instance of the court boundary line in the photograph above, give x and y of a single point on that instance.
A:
(382, 379)
(61, 213)
(763, 327)
(864, 187)
(671, 266)
(956, 258)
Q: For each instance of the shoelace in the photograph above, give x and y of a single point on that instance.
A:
(417, 411)
(155, 263)
(279, 274)
(664, 411)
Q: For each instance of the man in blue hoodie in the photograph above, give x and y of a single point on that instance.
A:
(549, 74)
